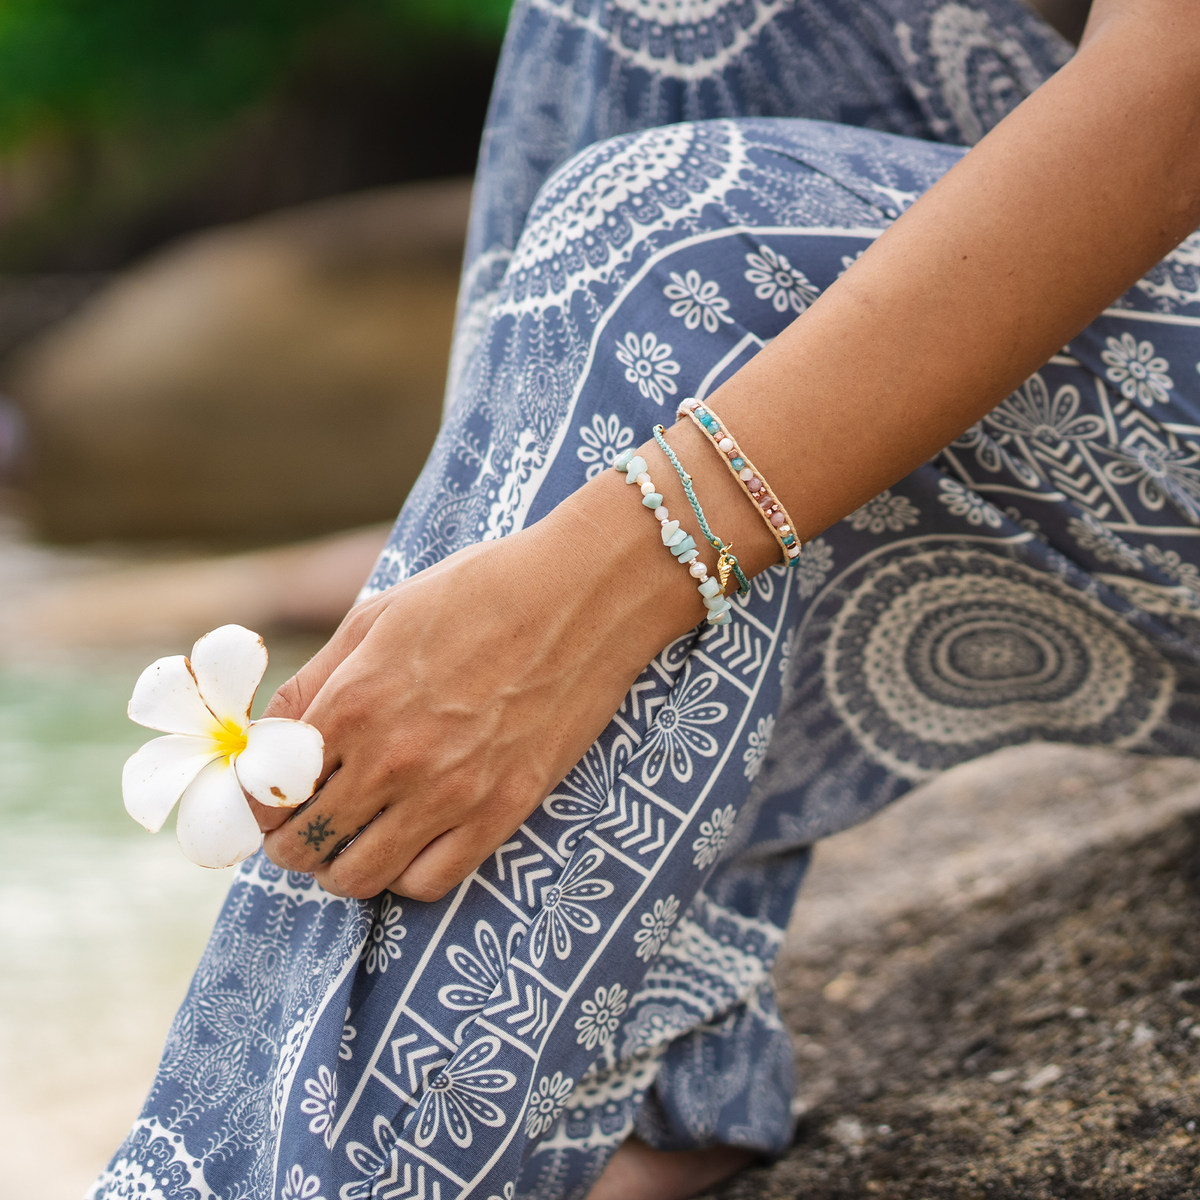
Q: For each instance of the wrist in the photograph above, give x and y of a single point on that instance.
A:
(606, 548)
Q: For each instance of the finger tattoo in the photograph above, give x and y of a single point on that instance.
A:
(318, 833)
(342, 845)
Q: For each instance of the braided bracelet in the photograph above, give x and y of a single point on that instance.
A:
(778, 522)
(725, 561)
(681, 544)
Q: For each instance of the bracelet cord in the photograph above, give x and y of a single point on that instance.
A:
(748, 479)
(726, 562)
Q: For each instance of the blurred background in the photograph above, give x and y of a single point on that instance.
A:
(230, 235)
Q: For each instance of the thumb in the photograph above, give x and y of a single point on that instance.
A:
(293, 698)
(296, 695)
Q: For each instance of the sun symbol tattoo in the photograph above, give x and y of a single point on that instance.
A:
(317, 833)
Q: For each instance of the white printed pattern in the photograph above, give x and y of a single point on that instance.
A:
(433, 1054)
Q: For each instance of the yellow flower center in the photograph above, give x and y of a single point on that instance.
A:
(231, 740)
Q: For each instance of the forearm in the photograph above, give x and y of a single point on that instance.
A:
(1060, 209)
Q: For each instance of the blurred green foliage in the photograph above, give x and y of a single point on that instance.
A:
(92, 66)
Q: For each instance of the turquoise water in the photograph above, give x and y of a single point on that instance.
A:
(63, 738)
(100, 922)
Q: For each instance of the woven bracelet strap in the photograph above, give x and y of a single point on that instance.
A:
(726, 562)
(749, 480)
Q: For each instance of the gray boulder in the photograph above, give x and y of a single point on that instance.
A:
(269, 380)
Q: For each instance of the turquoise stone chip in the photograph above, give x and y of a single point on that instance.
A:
(721, 619)
(654, 500)
(710, 587)
(669, 529)
(675, 538)
(690, 556)
(737, 463)
(717, 604)
(635, 466)
(688, 543)
(623, 459)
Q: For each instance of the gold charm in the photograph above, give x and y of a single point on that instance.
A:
(725, 563)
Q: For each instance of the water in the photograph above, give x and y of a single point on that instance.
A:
(100, 922)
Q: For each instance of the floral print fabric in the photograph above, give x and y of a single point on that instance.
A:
(608, 969)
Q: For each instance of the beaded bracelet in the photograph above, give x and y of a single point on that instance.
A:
(744, 471)
(725, 561)
(681, 544)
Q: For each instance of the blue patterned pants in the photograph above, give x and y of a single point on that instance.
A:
(662, 190)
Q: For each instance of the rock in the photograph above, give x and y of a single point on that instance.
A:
(996, 971)
(1067, 16)
(301, 588)
(263, 381)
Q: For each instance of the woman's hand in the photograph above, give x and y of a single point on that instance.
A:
(452, 704)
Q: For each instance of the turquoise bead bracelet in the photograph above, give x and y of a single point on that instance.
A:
(726, 561)
(749, 480)
(681, 544)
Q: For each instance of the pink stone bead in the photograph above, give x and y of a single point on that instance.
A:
(726, 444)
(643, 478)
(746, 475)
(754, 484)
(767, 501)
(661, 513)
(691, 405)
(794, 552)
(777, 519)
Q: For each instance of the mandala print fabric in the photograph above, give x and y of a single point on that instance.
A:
(608, 969)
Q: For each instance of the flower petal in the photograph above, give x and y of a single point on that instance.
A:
(215, 825)
(166, 697)
(157, 775)
(282, 761)
(229, 664)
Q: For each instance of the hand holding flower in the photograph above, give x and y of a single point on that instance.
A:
(452, 704)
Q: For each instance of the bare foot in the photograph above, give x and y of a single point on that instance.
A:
(638, 1172)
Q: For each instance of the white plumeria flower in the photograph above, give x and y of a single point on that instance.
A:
(213, 750)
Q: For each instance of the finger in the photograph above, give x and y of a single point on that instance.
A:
(387, 843)
(307, 836)
(332, 820)
(293, 697)
(444, 862)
